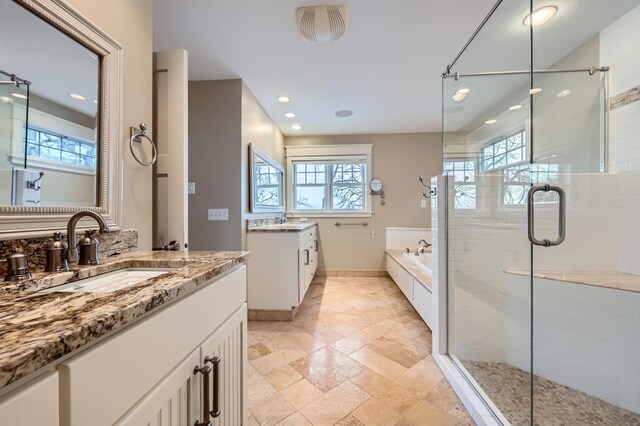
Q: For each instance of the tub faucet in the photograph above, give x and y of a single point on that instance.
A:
(422, 246)
(72, 252)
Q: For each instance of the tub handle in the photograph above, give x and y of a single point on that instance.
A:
(562, 217)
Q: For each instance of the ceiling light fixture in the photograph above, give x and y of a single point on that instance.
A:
(540, 16)
(344, 113)
(296, 126)
(564, 93)
(19, 95)
(283, 99)
(77, 97)
(460, 94)
(515, 107)
(290, 114)
(535, 90)
(492, 121)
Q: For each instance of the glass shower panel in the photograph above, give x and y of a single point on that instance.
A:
(486, 146)
(13, 116)
(586, 340)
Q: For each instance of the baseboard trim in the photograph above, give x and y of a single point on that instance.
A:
(272, 315)
(349, 273)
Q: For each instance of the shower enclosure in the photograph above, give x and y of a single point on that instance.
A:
(541, 147)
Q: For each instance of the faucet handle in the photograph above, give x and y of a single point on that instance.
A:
(88, 248)
(17, 267)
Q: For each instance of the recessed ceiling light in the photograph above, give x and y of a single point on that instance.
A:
(296, 126)
(344, 113)
(515, 107)
(290, 115)
(77, 97)
(540, 16)
(283, 99)
(535, 90)
(492, 121)
(19, 95)
(460, 94)
(564, 93)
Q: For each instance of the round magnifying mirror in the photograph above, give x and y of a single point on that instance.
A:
(376, 185)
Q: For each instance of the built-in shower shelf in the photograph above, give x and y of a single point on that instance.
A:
(608, 279)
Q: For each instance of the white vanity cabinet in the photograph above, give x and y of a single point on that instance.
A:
(281, 267)
(35, 403)
(417, 293)
(145, 373)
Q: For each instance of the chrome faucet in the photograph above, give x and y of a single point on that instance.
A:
(72, 252)
(422, 246)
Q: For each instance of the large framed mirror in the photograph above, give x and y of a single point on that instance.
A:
(60, 118)
(266, 183)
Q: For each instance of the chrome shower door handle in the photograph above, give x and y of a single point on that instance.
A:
(562, 217)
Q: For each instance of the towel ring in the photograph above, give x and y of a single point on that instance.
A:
(136, 136)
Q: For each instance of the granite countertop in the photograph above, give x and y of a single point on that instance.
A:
(608, 279)
(37, 328)
(284, 227)
(410, 267)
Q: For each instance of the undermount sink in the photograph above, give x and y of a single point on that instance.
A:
(111, 281)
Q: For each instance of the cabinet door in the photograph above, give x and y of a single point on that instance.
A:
(175, 401)
(34, 404)
(229, 344)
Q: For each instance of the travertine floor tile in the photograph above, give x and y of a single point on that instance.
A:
(378, 363)
(335, 404)
(375, 413)
(301, 393)
(312, 370)
(296, 419)
(273, 409)
(326, 368)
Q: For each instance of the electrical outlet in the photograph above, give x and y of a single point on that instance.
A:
(218, 214)
(191, 188)
(423, 203)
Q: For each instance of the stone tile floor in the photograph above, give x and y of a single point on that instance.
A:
(356, 354)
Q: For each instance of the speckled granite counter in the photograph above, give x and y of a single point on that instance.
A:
(413, 269)
(284, 227)
(608, 279)
(37, 329)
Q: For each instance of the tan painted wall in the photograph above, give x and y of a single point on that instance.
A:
(398, 160)
(214, 163)
(131, 24)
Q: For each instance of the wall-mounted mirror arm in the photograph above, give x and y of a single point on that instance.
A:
(376, 189)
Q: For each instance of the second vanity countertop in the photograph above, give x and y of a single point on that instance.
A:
(285, 227)
(37, 329)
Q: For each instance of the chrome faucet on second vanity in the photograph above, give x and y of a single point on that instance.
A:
(89, 248)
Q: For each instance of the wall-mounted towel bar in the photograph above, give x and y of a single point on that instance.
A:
(339, 224)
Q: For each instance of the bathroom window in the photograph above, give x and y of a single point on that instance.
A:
(59, 149)
(329, 186)
(329, 180)
(517, 180)
(464, 173)
(505, 152)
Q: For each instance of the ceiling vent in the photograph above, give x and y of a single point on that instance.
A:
(322, 23)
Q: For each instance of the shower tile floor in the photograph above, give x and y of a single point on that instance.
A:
(356, 354)
(554, 404)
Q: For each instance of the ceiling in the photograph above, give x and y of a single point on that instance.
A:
(386, 69)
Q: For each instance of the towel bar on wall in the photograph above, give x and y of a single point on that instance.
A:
(339, 224)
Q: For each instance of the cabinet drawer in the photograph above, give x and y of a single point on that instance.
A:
(306, 236)
(422, 302)
(34, 404)
(122, 369)
(405, 283)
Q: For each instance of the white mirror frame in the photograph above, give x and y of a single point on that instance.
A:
(253, 208)
(26, 221)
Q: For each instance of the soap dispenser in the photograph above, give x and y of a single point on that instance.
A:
(88, 248)
(56, 251)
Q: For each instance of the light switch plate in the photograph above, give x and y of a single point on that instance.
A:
(191, 188)
(218, 214)
(423, 203)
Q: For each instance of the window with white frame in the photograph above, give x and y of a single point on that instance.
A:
(60, 149)
(328, 179)
(518, 179)
(464, 175)
(505, 152)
